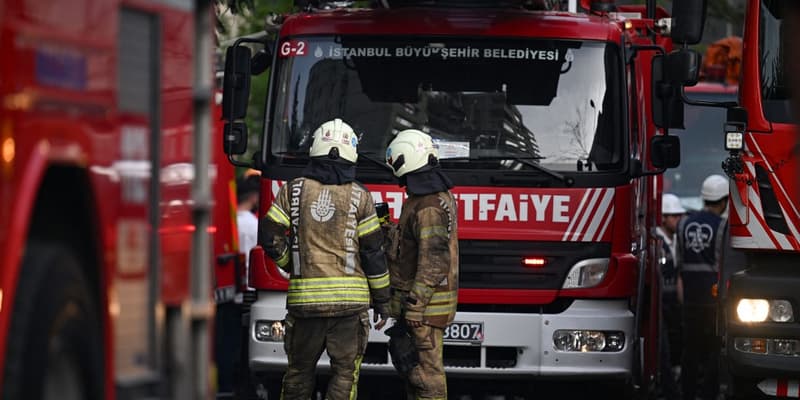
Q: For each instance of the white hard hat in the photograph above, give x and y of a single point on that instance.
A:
(671, 205)
(335, 134)
(715, 187)
(409, 151)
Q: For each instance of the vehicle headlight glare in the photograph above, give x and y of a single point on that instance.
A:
(586, 273)
(781, 311)
(753, 310)
(269, 331)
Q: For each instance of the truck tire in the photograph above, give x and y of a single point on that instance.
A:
(55, 344)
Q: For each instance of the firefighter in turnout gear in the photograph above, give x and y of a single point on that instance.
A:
(699, 251)
(424, 264)
(323, 230)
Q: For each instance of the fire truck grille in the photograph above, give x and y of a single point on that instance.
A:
(458, 356)
(495, 264)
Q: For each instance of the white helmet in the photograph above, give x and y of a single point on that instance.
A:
(715, 187)
(409, 151)
(671, 205)
(335, 134)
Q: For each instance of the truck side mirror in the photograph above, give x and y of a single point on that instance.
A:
(670, 73)
(261, 61)
(234, 138)
(665, 151)
(667, 108)
(235, 96)
(683, 67)
(236, 84)
(688, 19)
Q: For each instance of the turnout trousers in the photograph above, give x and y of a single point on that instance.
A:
(345, 340)
(700, 347)
(427, 380)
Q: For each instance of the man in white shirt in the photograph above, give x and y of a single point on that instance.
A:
(247, 192)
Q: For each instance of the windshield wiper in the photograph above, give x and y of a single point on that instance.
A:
(567, 180)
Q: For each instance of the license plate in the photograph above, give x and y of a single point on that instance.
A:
(470, 332)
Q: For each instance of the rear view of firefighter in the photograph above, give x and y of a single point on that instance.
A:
(699, 251)
(425, 266)
(334, 255)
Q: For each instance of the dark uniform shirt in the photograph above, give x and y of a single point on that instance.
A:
(699, 249)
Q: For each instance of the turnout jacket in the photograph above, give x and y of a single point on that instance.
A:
(424, 266)
(333, 250)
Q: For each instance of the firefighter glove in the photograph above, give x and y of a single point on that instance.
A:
(380, 312)
(402, 349)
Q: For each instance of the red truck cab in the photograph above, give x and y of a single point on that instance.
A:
(542, 122)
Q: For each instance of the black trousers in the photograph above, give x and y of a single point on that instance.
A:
(700, 347)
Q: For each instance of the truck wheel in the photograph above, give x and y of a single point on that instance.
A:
(55, 345)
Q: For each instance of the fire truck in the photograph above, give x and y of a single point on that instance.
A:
(757, 296)
(105, 123)
(759, 329)
(547, 122)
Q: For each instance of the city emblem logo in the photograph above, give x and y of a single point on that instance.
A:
(698, 236)
(323, 208)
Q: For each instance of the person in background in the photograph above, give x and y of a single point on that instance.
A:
(671, 213)
(247, 195)
(698, 253)
(334, 253)
(228, 318)
(425, 274)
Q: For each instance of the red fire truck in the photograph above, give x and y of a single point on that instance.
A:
(542, 119)
(758, 295)
(759, 328)
(105, 111)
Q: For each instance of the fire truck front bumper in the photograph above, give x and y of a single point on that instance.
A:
(589, 339)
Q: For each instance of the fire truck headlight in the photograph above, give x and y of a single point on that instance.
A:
(752, 310)
(585, 341)
(269, 331)
(781, 311)
(586, 273)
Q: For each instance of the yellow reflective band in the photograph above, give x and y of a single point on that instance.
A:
(337, 297)
(422, 289)
(442, 297)
(328, 283)
(276, 214)
(379, 282)
(369, 225)
(283, 260)
(439, 310)
(356, 372)
(431, 231)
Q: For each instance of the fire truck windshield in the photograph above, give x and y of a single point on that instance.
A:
(493, 105)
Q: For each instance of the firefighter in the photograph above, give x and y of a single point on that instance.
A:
(336, 262)
(425, 268)
(700, 244)
(671, 213)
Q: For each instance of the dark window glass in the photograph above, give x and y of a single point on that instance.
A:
(702, 149)
(774, 70)
(487, 104)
